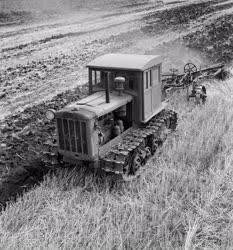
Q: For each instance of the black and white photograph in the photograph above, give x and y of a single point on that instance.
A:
(116, 124)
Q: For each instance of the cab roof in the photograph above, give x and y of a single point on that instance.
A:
(125, 61)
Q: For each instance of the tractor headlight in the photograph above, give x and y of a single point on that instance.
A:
(50, 114)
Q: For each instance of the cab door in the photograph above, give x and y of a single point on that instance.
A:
(152, 91)
(147, 98)
(156, 87)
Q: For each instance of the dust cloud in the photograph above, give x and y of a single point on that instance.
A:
(176, 55)
(174, 52)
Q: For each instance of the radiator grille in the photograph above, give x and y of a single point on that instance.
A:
(72, 135)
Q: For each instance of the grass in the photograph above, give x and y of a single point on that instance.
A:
(183, 200)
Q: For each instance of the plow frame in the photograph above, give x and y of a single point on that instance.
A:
(192, 77)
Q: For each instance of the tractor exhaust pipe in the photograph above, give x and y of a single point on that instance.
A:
(107, 81)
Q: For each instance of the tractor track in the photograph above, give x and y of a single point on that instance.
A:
(137, 145)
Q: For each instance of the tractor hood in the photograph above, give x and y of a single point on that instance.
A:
(95, 105)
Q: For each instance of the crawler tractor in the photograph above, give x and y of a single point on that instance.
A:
(123, 120)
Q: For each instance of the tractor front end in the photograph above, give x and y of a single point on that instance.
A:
(77, 139)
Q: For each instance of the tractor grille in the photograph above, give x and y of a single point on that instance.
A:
(72, 135)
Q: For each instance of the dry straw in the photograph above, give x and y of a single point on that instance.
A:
(183, 200)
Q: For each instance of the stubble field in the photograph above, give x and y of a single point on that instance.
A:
(184, 197)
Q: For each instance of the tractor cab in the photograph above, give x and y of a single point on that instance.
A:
(136, 75)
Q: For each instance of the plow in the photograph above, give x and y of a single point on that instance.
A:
(192, 80)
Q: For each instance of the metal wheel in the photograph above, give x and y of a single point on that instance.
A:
(154, 145)
(136, 163)
(190, 68)
(131, 167)
(148, 152)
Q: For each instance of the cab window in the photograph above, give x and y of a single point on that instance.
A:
(97, 80)
(147, 79)
(155, 75)
(131, 81)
